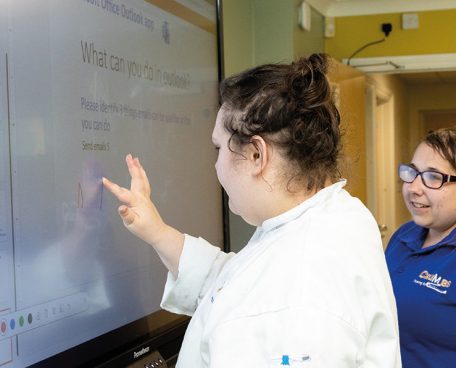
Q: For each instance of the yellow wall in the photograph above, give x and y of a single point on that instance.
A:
(429, 97)
(435, 35)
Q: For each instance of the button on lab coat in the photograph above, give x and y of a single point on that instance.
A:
(311, 289)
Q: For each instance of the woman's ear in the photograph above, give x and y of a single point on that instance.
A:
(258, 154)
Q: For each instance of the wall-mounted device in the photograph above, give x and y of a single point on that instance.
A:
(410, 21)
(330, 27)
(305, 13)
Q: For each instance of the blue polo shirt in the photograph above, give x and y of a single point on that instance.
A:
(424, 282)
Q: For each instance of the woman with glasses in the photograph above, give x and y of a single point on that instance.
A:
(421, 255)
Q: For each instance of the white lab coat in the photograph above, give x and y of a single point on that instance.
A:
(311, 289)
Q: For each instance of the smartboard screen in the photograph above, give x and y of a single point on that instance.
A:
(83, 83)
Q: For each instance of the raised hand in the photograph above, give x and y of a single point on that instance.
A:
(141, 217)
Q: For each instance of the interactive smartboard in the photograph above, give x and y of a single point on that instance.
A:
(83, 83)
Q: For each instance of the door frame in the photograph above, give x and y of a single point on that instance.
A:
(381, 158)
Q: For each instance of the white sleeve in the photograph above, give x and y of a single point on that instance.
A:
(199, 265)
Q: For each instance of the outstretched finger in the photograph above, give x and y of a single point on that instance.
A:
(139, 180)
(122, 194)
(144, 180)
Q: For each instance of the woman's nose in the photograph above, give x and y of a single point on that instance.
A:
(417, 186)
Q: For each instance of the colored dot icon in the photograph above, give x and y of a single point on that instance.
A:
(12, 323)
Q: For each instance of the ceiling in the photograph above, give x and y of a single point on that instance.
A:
(337, 8)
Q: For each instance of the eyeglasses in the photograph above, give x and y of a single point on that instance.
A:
(431, 179)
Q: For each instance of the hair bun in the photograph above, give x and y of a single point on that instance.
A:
(307, 80)
(315, 62)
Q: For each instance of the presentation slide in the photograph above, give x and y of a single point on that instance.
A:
(83, 83)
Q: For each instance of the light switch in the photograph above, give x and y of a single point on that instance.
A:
(330, 27)
(410, 21)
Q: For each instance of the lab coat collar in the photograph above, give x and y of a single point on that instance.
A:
(297, 211)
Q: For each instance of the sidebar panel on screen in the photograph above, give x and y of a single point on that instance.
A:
(7, 290)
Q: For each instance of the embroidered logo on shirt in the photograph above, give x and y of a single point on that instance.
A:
(290, 361)
(433, 281)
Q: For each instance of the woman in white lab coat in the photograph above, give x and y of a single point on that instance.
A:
(311, 288)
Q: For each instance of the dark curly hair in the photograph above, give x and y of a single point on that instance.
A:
(290, 106)
(444, 142)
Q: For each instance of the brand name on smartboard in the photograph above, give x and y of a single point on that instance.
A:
(124, 11)
(137, 354)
